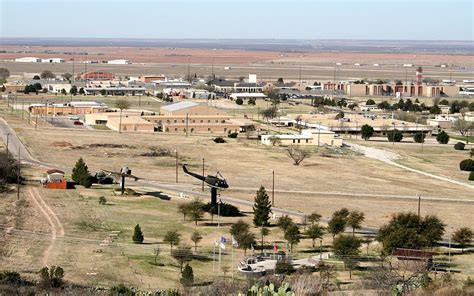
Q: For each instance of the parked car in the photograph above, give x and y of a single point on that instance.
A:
(77, 122)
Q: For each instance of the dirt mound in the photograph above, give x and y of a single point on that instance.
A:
(61, 144)
(103, 146)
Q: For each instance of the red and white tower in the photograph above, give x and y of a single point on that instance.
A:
(419, 76)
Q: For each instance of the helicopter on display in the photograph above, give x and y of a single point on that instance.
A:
(124, 172)
(215, 182)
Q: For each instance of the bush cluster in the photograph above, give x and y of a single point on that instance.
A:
(459, 146)
(226, 210)
(466, 165)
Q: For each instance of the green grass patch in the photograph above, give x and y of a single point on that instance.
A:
(462, 138)
(102, 127)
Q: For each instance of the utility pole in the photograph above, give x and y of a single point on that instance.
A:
(419, 204)
(187, 125)
(357, 129)
(73, 79)
(189, 69)
(18, 175)
(300, 73)
(273, 188)
(8, 136)
(202, 189)
(319, 132)
(212, 69)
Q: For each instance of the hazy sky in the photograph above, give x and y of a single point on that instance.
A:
(280, 19)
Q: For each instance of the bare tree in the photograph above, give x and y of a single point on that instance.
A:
(297, 154)
(463, 126)
(275, 141)
(156, 253)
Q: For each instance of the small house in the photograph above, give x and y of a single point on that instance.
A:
(55, 179)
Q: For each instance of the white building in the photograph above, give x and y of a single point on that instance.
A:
(53, 60)
(119, 62)
(28, 60)
(247, 95)
(57, 87)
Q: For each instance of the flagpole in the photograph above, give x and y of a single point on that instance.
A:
(214, 258)
(220, 239)
(232, 267)
(219, 264)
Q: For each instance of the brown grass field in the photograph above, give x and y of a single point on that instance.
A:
(332, 180)
(269, 65)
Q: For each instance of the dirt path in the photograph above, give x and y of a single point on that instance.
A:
(390, 157)
(53, 221)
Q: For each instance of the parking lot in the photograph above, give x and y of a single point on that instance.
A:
(66, 122)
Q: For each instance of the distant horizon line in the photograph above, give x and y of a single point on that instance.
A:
(235, 39)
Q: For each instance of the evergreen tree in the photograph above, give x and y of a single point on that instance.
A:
(262, 208)
(366, 131)
(419, 137)
(137, 235)
(80, 174)
(442, 137)
(394, 135)
(187, 276)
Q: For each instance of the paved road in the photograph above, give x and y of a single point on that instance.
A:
(14, 144)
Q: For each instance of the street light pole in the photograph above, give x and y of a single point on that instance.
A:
(319, 131)
(357, 129)
(176, 152)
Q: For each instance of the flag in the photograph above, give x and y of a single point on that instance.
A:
(234, 242)
(275, 248)
(223, 242)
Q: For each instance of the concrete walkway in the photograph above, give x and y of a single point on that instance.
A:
(390, 157)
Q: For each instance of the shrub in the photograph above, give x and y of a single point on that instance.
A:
(10, 277)
(471, 176)
(394, 135)
(219, 140)
(233, 135)
(121, 289)
(283, 267)
(251, 101)
(137, 235)
(466, 165)
(239, 101)
(459, 146)
(102, 200)
(51, 277)
(226, 210)
(419, 137)
(442, 137)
